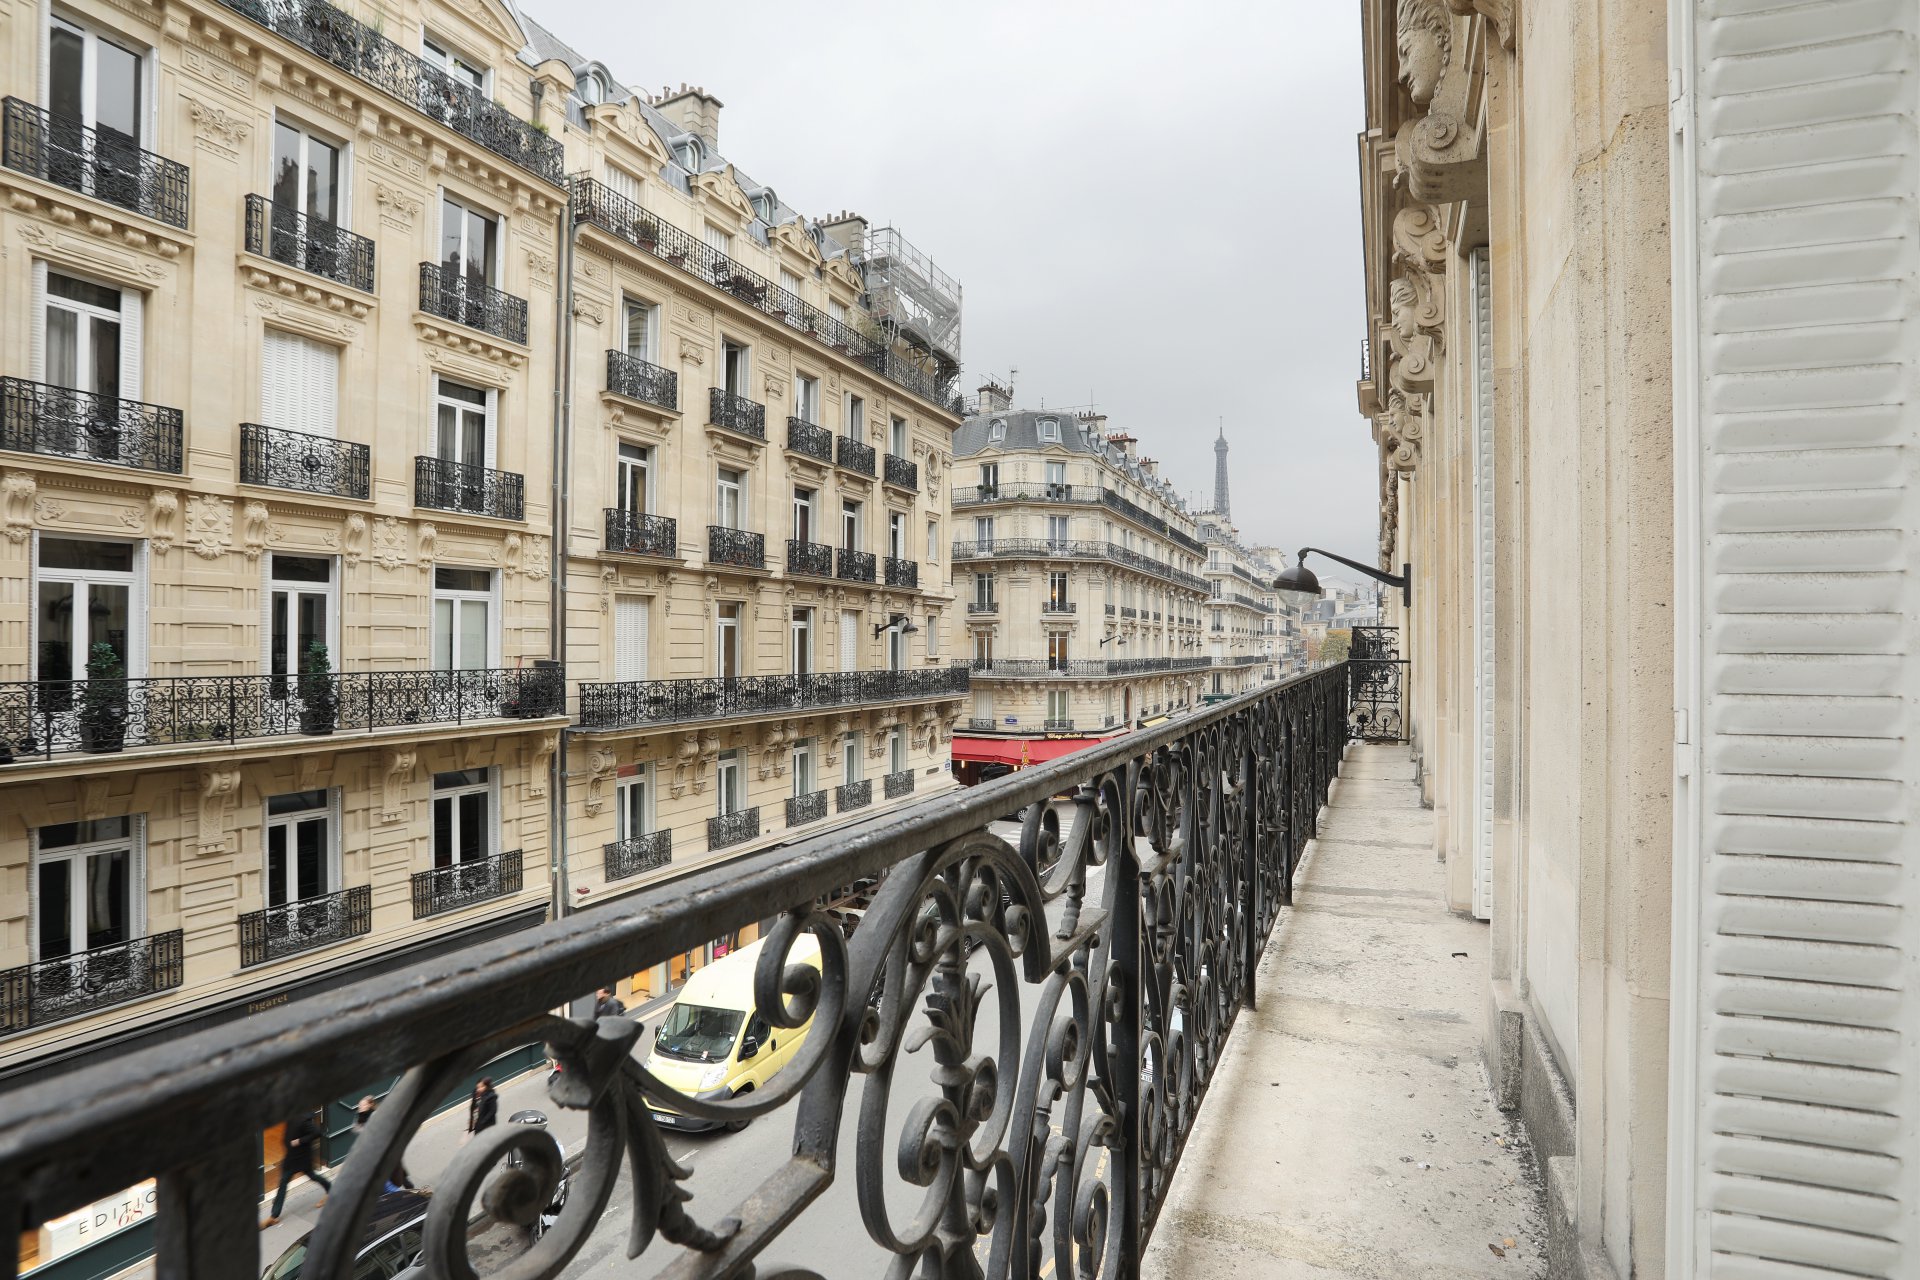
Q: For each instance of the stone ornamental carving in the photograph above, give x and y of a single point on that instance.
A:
(213, 125)
(209, 526)
(533, 557)
(686, 760)
(709, 756)
(1426, 45)
(512, 557)
(389, 543)
(94, 794)
(163, 514)
(540, 762)
(255, 528)
(1439, 149)
(602, 764)
(427, 538)
(219, 789)
(1499, 13)
(353, 541)
(394, 780)
(16, 505)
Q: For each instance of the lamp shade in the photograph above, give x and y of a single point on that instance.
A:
(1297, 578)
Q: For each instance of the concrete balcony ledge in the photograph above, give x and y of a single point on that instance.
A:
(1350, 1130)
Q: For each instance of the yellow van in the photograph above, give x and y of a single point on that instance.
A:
(713, 1046)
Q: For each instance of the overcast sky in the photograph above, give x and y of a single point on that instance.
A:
(1152, 209)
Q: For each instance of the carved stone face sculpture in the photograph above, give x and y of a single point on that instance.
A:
(1424, 41)
(1402, 304)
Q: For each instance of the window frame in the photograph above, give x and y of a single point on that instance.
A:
(135, 659)
(491, 597)
(137, 891)
(491, 834)
(641, 781)
(329, 813)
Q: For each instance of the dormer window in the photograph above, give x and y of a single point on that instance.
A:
(997, 430)
(1050, 431)
(688, 153)
(765, 205)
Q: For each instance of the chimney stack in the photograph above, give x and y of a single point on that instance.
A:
(1125, 441)
(693, 109)
(850, 229)
(995, 398)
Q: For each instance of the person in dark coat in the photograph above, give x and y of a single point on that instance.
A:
(483, 1108)
(302, 1137)
(362, 1113)
(607, 1005)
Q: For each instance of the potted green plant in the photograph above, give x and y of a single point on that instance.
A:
(103, 701)
(319, 699)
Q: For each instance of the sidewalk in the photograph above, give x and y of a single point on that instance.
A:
(1349, 1131)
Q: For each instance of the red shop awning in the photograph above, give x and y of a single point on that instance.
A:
(1016, 751)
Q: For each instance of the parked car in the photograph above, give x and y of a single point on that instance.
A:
(390, 1246)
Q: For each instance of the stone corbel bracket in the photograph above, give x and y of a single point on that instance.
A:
(394, 778)
(1440, 151)
(1498, 13)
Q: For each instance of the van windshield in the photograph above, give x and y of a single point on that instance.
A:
(698, 1032)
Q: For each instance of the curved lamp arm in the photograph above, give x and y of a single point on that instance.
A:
(1402, 580)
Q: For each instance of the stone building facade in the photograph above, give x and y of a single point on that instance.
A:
(1241, 610)
(1633, 286)
(1077, 575)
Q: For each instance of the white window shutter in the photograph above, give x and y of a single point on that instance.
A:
(630, 638)
(132, 341)
(299, 383)
(37, 329)
(849, 641)
(1483, 569)
(1796, 1101)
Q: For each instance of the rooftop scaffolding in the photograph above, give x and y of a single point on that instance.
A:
(913, 298)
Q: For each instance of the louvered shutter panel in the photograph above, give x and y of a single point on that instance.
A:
(1797, 1152)
(132, 341)
(849, 641)
(630, 638)
(37, 327)
(299, 383)
(1483, 617)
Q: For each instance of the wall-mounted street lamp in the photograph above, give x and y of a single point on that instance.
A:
(1300, 578)
(907, 626)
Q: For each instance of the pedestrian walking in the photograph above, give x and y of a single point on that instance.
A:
(483, 1108)
(302, 1137)
(363, 1112)
(607, 1005)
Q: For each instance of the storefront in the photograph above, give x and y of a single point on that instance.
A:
(663, 979)
(973, 757)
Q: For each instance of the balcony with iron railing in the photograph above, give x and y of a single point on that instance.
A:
(635, 533)
(1098, 1115)
(854, 566)
(60, 422)
(902, 573)
(445, 485)
(897, 784)
(814, 559)
(1057, 725)
(737, 414)
(637, 379)
(1079, 668)
(53, 990)
(277, 459)
(728, 829)
(1051, 605)
(465, 301)
(983, 606)
(1074, 549)
(849, 796)
(809, 439)
(811, 807)
(853, 455)
(634, 704)
(901, 473)
(305, 925)
(466, 884)
(48, 717)
(980, 724)
(736, 548)
(362, 52)
(103, 163)
(636, 855)
(313, 245)
(597, 205)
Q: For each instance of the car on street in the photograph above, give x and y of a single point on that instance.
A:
(390, 1246)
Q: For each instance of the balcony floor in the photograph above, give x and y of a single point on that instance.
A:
(1380, 1152)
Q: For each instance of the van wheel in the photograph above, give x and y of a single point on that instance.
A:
(735, 1126)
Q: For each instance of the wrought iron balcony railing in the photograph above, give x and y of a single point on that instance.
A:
(455, 297)
(465, 884)
(983, 606)
(740, 548)
(898, 784)
(1111, 611)
(813, 558)
(854, 566)
(902, 473)
(600, 206)
(636, 854)
(1087, 668)
(1074, 549)
(40, 718)
(359, 50)
(1051, 605)
(284, 234)
(47, 991)
(445, 485)
(1079, 1085)
(980, 723)
(636, 379)
(1055, 725)
(968, 495)
(853, 455)
(103, 163)
(738, 827)
(1128, 611)
(849, 796)
(312, 464)
(808, 808)
(36, 417)
(628, 704)
(903, 573)
(810, 439)
(737, 413)
(636, 533)
(286, 930)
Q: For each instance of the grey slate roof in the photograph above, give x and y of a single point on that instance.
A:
(1023, 432)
